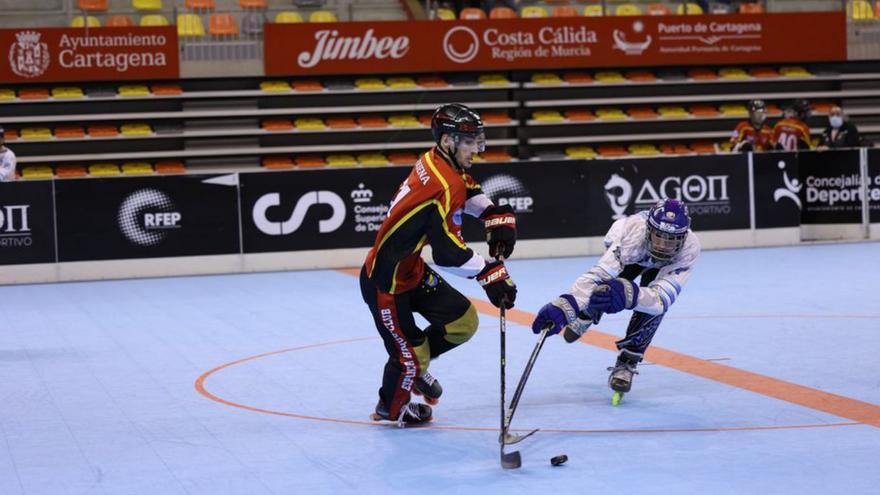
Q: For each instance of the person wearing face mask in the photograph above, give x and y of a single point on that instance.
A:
(396, 282)
(753, 134)
(840, 133)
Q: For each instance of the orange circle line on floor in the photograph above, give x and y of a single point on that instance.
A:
(201, 389)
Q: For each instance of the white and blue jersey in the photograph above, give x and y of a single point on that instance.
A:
(627, 247)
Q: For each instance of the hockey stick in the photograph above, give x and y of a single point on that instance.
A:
(513, 460)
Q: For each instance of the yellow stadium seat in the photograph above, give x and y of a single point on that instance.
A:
(533, 11)
(627, 9)
(372, 159)
(82, 21)
(643, 149)
(593, 11)
(609, 76)
(146, 4)
(611, 114)
(692, 9)
(671, 111)
(580, 152)
(860, 10)
(36, 133)
(153, 20)
(446, 15)
(547, 78)
(288, 17)
(135, 129)
(733, 73)
(275, 86)
(794, 71)
(37, 172)
(67, 92)
(136, 168)
(134, 90)
(548, 116)
(103, 169)
(369, 83)
(341, 160)
(309, 123)
(7, 94)
(323, 16)
(404, 121)
(493, 80)
(190, 25)
(401, 82)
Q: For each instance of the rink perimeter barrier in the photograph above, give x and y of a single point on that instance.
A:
(74, 229)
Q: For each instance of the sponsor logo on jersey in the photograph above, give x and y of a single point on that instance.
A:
(295, 221)
(146, 216)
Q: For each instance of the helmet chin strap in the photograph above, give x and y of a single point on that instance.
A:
(450, 154)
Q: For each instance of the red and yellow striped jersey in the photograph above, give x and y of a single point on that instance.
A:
(792, 135)
(427, 209)
(760, 138)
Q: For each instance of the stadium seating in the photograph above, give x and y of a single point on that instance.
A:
(190, 25)
(627, 9)
(223, 25)
(81, 21)
(322, 16)
(502, 13)
(288, 17)
(593, 11)
(92, 5)
(533, 11)
(153, 20)
(472, 13)
(147, 4)
(119, 20)
(689, 9)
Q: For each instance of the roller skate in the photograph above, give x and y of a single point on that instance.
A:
(620, 379)
(428, 387)
(412, 414)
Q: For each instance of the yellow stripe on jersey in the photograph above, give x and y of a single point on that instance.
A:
(442, 181)
(393, 229)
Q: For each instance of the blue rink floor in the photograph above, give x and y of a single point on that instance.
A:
(765, 381)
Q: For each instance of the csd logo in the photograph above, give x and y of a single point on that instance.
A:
(293, 223)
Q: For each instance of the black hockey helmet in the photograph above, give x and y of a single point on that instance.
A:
(458, 121)
(757, 111)
(801, 108)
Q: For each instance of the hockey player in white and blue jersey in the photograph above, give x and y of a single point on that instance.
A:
(656, 246)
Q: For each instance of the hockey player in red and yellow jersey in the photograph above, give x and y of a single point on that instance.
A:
(396, 282)
(753, 134)
(792, 132)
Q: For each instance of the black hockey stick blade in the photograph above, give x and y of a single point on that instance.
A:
(510, 460)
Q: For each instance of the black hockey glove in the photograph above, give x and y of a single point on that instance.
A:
(497, 284)
(500, 226)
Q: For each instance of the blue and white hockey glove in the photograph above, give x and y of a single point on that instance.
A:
(614, 296)
(556, 314)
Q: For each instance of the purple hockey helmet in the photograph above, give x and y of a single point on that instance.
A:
(668, 224)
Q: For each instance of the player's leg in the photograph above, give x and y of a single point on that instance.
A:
(453, 321)
(408, 352)
(639, 333)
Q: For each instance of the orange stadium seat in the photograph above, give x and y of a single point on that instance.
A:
(103, 131)
(702, 74)
(166, 89)
(751, 8)
(223, 25)
(565, 11)
(68, 171)
(307, 85)
(92, 5)
(640, 76)
(495, 118)
(253, 4)
(704, 111)
(11, 134)
(612, 150)
(341, 123)
(579, 115)
(577, 78)
(170, 167)
(763, 72)
(658, 9)
(372, 121)
(503, 13)
(277, 125)
(277, 162)
(119, 20)
(432, 82)
(402, 158)
(674, 149)
(642, 113)
(310, 161)
(472, 13)
(496, 156)
(69, 132)
(703, 147)
(200, 4)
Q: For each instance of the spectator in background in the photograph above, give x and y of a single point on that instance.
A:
(753, 134)
(840, 133)
(7, 160)
(792, 132)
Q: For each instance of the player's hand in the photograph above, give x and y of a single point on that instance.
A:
(556, 315)
(498, 285)
(614, 296)
(500, 224)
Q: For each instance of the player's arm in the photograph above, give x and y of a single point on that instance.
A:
(448, 248)
(663, 291)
